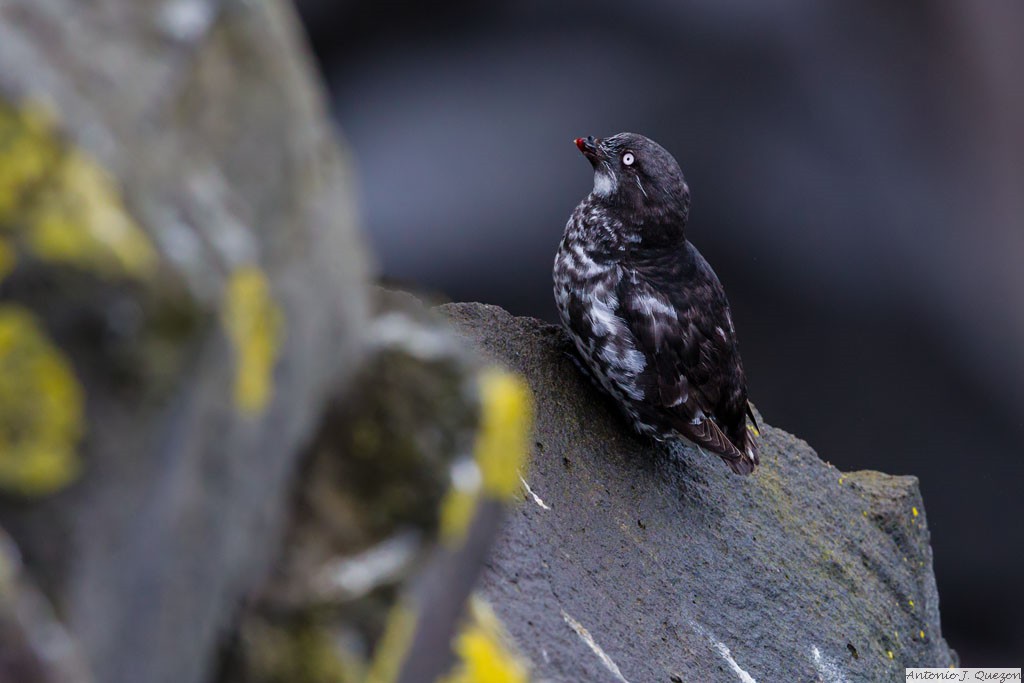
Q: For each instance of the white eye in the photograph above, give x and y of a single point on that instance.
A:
(628, 159)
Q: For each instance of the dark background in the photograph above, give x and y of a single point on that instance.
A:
(857, 171)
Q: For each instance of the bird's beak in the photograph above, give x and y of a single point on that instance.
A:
(588, 146)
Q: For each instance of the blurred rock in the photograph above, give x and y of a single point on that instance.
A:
(625, 564)
(34, 646)
(395, 507)
(181, 285)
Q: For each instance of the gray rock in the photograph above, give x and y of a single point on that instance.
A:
(34, 645)
(180, 254)
(363, 536)
(627, 563)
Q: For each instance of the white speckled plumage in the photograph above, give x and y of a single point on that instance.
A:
(646, 313)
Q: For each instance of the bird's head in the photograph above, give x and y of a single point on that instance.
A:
(639, 176)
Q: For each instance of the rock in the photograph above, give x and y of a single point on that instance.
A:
(627, 563)
(396, 503)
(34, 646)
(182, 286)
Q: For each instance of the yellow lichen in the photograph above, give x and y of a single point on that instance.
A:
(78, 219)
(500, 452)
(483, 653)
(921, 634)
(890, 654)
(911, 603)
(41, 409)
(501, 445)
(28, 150)
(7, 259)
(393, 646)
(62, 204)
(457, 510)
(254, 324)
(914, 511)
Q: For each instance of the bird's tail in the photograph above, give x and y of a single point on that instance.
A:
(741, 465)
(746, 444)
(739, 453)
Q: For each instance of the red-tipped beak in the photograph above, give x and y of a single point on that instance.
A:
(588, 146)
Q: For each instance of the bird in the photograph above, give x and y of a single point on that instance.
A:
(646, 313)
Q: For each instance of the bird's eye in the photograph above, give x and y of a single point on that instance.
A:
(628, 159)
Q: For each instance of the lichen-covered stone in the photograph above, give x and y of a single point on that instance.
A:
(484, 652)
(368, 506)
(60, 204)
(177, 223)
(397, 501)
(625, 562)
(41, 409)
(254, 323)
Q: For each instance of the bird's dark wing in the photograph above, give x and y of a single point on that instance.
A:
(693, 381)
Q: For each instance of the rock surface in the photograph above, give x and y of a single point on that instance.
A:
(34, 646)
(182, 286)
(627, 563)
(392, 515)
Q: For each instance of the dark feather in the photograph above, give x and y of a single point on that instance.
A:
(646, 312)
(676, 309)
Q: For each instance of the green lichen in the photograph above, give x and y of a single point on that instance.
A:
(769, 480)
(825, 556)
(385, 456)
(301, 651)
(41, 409)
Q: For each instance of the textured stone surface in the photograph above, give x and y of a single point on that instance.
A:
(399, 498)
(676, 570)
(180, 272)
